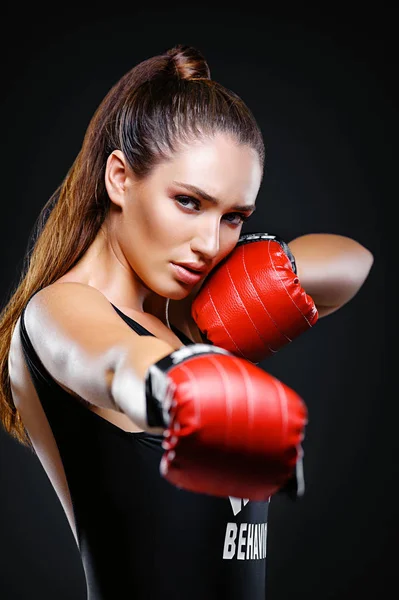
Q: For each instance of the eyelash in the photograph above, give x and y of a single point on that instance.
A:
(197, 203)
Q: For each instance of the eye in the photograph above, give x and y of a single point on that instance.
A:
(185, 201)
(241, 218)
(234, 219)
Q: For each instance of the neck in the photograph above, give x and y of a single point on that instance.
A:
(179, 314)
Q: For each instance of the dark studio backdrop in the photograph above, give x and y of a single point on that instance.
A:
(322, 90)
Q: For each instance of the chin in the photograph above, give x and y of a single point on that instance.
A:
(174, 291)
(179, 294)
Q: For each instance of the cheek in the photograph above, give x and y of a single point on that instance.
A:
(159, 225)
(227, 243)
(225, 251)
(229, 237)
(165, 225)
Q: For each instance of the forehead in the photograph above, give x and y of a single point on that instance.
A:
(219, 165)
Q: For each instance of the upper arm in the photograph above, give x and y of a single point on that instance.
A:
(80, 339)
(331, 268)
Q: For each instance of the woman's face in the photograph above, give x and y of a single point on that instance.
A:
(189, 210)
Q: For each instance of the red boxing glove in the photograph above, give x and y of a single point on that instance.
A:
(230, 428)
(252, 303)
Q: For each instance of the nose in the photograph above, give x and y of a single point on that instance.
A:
(206, 241)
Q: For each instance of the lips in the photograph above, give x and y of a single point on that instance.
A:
(196, 268)
(187, 275)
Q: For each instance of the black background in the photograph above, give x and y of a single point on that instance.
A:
(322, 87)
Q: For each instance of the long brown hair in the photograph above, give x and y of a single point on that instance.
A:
(162, 102)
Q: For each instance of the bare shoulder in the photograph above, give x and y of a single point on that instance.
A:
(80, 340)
(77, 311)
(71, 324)
(61, 295)
(73, 310)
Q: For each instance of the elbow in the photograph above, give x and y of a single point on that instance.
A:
(368, 261)
(346, 284)
(362, 268)
(331, 268)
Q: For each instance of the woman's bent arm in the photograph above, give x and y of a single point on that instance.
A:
(331, 268)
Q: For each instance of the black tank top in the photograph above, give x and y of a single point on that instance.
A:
(139, 536)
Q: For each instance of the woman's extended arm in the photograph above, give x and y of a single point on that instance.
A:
(331, 268)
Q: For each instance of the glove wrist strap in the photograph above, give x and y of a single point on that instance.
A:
(247, 238)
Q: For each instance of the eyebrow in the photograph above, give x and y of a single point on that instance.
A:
(206, 196)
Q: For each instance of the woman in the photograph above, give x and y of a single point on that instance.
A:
(92, 302)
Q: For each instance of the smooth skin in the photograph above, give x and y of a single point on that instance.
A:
(157, 221)
(153, 223)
